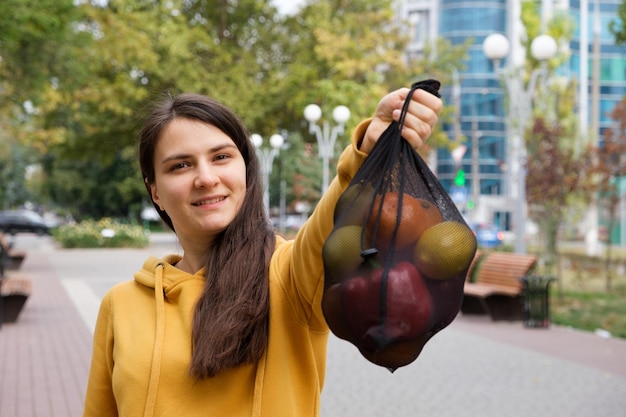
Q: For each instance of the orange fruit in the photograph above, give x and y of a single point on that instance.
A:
(445, 250)
(416, 216)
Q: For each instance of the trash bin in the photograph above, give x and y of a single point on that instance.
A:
(536, 300)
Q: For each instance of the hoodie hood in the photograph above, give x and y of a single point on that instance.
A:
(172, 278)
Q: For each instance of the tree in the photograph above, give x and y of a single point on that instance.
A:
(347, 53)
(618, 27)
(141, 50)
(610, 169)
(30, 38)
(554, 180)
(557, 182)
(30, 41)
(109, 60)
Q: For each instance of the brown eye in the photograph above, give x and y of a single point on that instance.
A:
(222, 157)
(178, 166)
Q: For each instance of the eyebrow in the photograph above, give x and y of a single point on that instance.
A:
(214, 149)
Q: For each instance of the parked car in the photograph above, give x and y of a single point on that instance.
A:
(22, 221)
(487, 235)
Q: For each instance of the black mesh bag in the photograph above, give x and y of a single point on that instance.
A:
(396, 259)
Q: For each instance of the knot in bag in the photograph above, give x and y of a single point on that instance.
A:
(396, 260)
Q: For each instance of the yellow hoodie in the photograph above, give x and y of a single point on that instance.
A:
(142, 339)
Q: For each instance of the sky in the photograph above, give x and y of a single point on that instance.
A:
(287, 6)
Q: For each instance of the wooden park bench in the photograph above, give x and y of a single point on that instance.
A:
(10, 258)
(14, 291)
(495, 286)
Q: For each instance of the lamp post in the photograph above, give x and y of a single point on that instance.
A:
(326, 137)
(496, 46)
(266, 158)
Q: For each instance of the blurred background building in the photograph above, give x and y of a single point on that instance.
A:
(488, 188)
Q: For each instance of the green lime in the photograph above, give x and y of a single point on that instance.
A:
(342, 252)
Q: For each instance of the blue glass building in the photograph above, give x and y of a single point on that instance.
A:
(482, 111)
(486, 162)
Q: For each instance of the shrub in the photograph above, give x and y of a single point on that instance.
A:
(104, 233)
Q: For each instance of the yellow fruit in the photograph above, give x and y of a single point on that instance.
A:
(445, 250)
(342, 253)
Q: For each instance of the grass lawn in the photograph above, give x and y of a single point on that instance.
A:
(590, 311)
(581, 300)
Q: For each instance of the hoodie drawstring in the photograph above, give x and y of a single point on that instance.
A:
(259, 383)
(155, 370)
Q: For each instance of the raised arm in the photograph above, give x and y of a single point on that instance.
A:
(306, 265)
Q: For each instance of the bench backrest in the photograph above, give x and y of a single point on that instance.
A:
(471, 271)
(503, 268)
(5, 259)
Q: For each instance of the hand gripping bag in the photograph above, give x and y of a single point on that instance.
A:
(396, 259)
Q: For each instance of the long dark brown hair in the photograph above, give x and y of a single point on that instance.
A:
(230, 324)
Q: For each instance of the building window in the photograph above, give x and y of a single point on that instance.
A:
(420, 26)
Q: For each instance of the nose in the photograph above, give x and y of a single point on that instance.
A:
(205, 176)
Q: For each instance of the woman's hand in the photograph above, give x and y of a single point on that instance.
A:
(421, 117)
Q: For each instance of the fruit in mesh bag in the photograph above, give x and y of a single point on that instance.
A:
(397, 354)
(333, 312)
(416, 216)
(342, 253)
(445, 250)
(380, 310)
(353, 204)
(448, 294)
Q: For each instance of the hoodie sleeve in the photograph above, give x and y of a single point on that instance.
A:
(306, 268)
(99, 399)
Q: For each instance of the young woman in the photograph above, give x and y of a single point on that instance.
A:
(234, 326)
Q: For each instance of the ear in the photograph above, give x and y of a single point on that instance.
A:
(154, 195)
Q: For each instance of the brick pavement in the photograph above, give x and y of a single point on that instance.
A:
(44, 356)
(466, 370)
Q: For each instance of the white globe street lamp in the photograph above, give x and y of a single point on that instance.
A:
(496, 46)
(326, 137)
(266, 158)
(543, 47)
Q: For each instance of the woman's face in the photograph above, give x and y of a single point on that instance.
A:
(200, 178)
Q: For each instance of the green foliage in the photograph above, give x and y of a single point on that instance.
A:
(14, 161)
(556, 183)
(31, 36)
(96, 188)
(617, 27)
(104, 233)
(561, 27)
(609, 169)
(342, 53)
(91, 71)
(554, 179)
(301, 169)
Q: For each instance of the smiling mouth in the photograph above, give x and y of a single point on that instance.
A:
(209, 201)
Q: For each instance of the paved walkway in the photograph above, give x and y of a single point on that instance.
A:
(475, 367)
